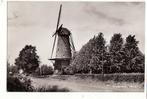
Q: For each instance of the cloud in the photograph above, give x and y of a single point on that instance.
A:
(126, 3)
(92, 10)
(137, 3)
(34, 22)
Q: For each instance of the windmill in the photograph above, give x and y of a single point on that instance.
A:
(64, 46)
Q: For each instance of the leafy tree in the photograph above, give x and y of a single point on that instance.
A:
(28, 59)
(95, 57)
(133, 58)
(138, 63)
(99, 52)
(107, 63)
(116, 43)
(80, 63)
(91, 57)
(115, 51)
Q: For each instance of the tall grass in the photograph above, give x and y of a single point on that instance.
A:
(51, 89)
(118, 77)
(132, 77)
(23, 84)
(15, 84)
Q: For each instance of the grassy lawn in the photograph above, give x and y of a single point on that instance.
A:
(84, 83)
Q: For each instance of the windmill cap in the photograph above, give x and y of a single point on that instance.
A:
(64, 31)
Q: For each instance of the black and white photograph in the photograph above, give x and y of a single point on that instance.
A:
(62, 46)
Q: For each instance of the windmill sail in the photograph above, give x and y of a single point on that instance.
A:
(56, 30)
(58, 20)
(72, 43)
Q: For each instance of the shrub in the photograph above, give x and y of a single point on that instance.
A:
(68, 70)
(46, 70)
(12, 70)
(19, 83)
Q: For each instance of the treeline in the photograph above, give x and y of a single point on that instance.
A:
(40, 71)
(95, 57)
(28, 62)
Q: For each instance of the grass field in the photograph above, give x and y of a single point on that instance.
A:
(93, 83)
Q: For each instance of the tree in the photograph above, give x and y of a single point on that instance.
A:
(133, 58)
(115, 48)
(107, 62)
(138, 63)
(28, 59)
(80, 64)
(92, 56)
(95, 57)
(99, 52)
(46, 70)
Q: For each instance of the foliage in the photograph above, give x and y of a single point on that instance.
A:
(18, 84)
(44, 70)
(22, 83)
(91, 57)
(115, 51)
(28, 59)
(98, 54)
(68, 70)
(95, 57)
(133, 58)
(11, 69)
(80, 63)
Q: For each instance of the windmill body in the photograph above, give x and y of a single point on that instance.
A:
(64, 47)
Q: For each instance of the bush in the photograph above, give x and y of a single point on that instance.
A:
(18, 84)
(12, 70)
(68, 70)
(44, 70)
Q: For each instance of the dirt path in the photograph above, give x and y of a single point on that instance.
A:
(87, 85)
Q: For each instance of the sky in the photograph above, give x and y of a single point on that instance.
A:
(35, 22)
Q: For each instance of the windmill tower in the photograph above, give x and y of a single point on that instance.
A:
(64, 46)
